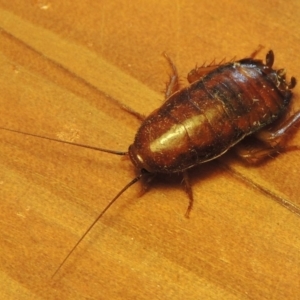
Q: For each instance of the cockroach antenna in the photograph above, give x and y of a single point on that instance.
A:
(133, 181)
(66, 142)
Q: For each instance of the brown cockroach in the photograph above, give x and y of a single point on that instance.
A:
(223, 104)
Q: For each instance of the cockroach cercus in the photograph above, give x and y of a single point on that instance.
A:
(223, 104)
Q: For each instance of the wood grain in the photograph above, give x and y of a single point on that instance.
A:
(66, 70)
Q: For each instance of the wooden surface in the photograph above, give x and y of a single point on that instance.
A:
(65, 66)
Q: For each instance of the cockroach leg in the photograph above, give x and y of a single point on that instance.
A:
(270, 59)
(254, 155)
(189, 191)
(134, 113)
(146, 183)
(277, 138)
(292, 83)
(199, 72)
(274, 141)
(173, 84)
(254, 53)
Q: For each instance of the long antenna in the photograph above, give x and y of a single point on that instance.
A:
(128, 185)
(66, 142)
(97, 219)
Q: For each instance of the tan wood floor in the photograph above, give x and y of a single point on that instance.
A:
(66, 68)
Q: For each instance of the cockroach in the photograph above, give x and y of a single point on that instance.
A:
(223, 104)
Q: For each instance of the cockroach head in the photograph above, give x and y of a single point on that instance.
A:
(137, 160)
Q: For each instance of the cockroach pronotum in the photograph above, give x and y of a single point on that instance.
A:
(223, 104)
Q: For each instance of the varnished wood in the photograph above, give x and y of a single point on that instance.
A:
(65, 70)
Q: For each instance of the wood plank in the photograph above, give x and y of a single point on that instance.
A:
(66, 70)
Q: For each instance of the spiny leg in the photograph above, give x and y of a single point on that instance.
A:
(173, 84)
(134, 113)
(279, 136)
(189, 191)
(274, 141)
(146, 183)
(198, 72)
(254, 155)
(171, 87)
(255, 52)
